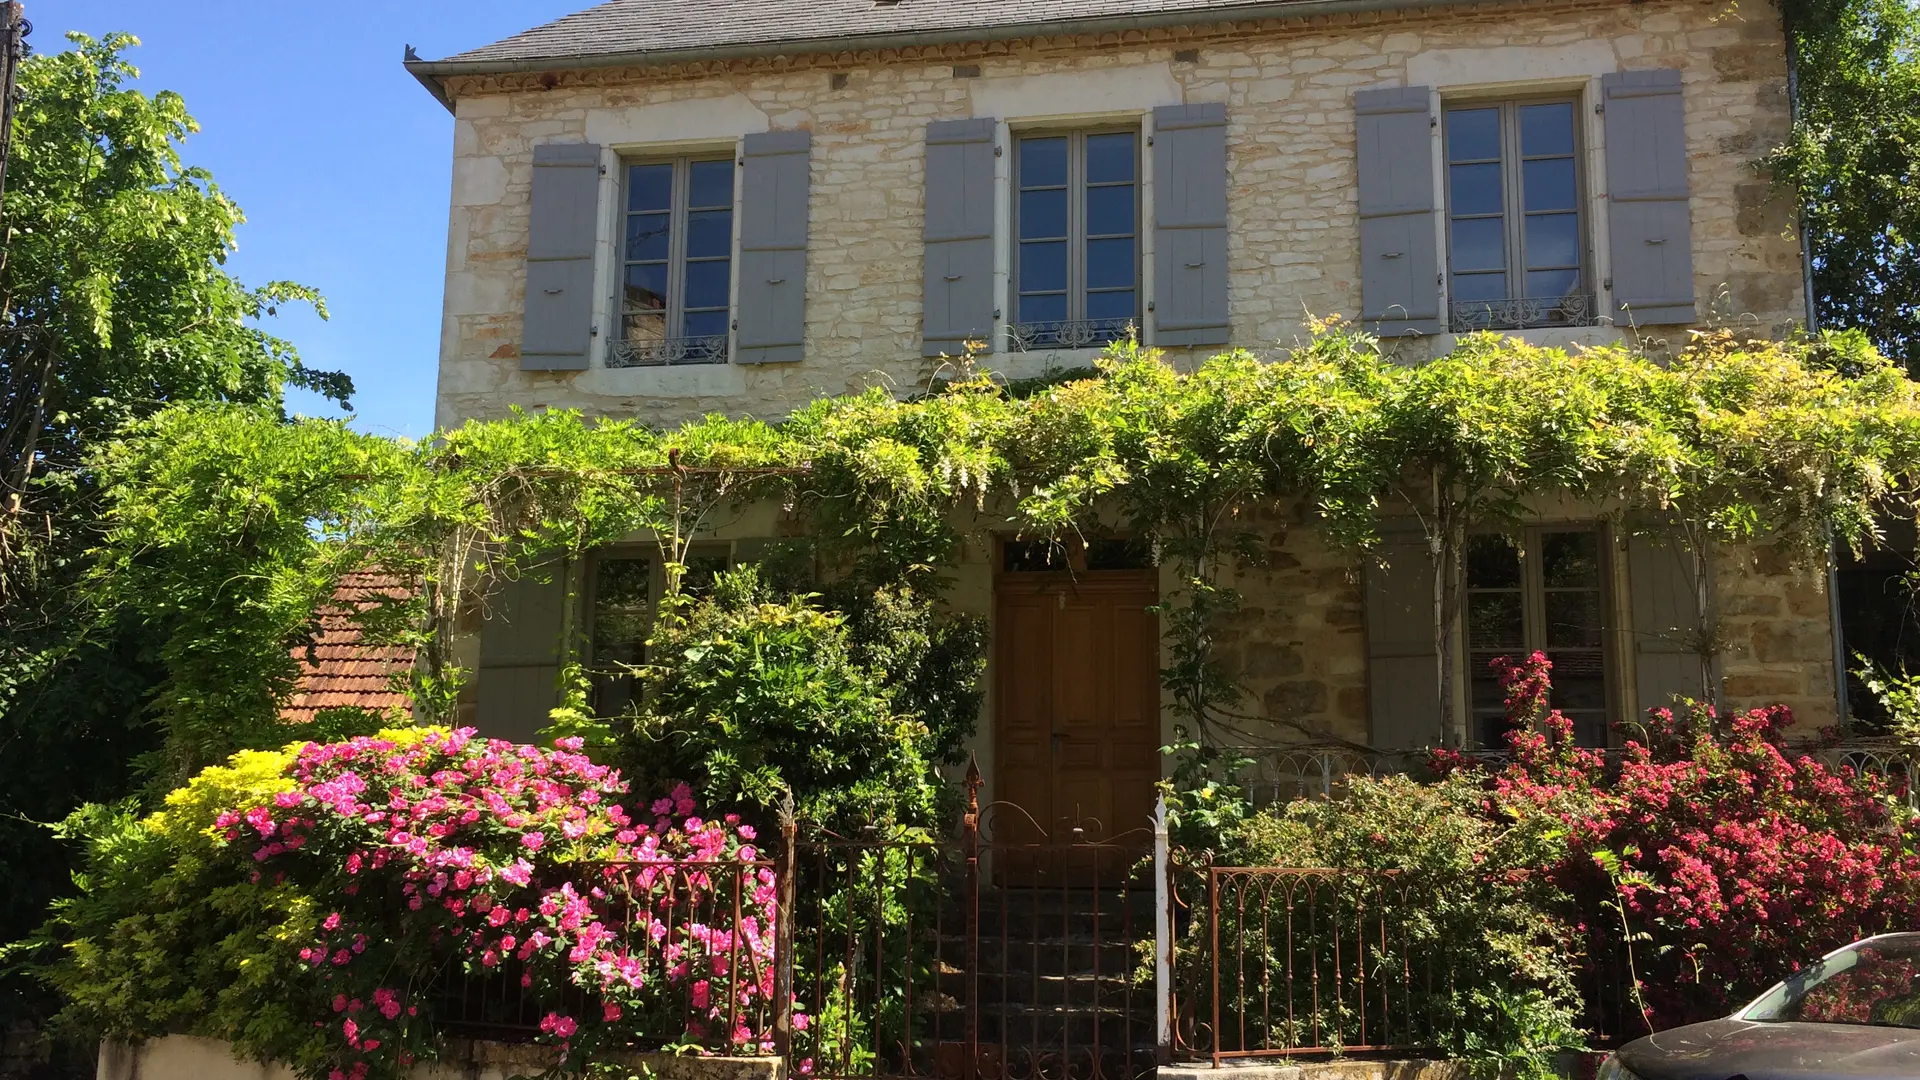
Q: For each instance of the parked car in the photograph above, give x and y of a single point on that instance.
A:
(1855, 1013)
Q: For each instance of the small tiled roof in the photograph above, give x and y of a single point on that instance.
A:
(341, 669)
(632, 30)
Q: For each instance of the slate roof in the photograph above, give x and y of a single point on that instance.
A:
(342, 669)
(628, 29)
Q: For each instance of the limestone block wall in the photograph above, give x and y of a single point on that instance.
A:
(1288, 89)
(1776, 635)
(1298, 643)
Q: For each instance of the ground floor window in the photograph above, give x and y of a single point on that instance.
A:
(1544, 590)
(622, 589)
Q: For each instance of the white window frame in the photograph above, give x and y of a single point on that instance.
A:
(1533, 591)
(674, 349)
(1018, 363)
(1509, 72)
(1517, 311)
(1077, 290)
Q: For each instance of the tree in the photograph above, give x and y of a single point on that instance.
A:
(114, 299)
(114, 302)
(1855, 157)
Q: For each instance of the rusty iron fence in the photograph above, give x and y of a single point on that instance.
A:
(992, 951)
(1296, 962)
(997, 952)
(710, 920)
(1285, 962)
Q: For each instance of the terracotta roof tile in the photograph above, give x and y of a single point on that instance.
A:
(342, 670)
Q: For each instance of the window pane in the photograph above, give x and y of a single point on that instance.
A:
(1473, 134)
(1570, 559)
(1043, 162)
(1548, 184)
(1476, 189)
(1111, 305)
(1479, 244)
(620, 584)
(647, 236)
(1488, 695)
(710, 183)
(649, 327)
(1109, 210)
(1109, 263)
(1492, 563)
(1553, 284)
(1043, 267)
(706, 323)
(1494, 621)
(1472, 287)
(650, 187)
(1578, 680)
(1546, 129)
(1043, 214)
(1573, 619)
(1043, 308)
(1110, 157)
(709, 233)
(647, 287)
(707, 284)
(1491, 731)
(1553, 240)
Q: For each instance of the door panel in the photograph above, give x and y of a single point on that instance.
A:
(1077, 712)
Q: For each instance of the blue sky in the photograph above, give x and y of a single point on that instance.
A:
(339, 158)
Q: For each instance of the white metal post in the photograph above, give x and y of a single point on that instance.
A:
(1162, 933)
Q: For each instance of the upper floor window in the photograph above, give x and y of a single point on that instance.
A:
(1076, 265)
(1548, 597)
(1515, 232)
(676, 263)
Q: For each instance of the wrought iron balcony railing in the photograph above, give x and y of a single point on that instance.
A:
(1521, 313)
(1066, 334)
(669, 352)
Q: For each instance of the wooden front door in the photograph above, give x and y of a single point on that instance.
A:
(1077, 706)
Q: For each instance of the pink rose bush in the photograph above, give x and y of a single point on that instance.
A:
(435, 853)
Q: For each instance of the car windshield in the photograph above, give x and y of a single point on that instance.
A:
(1874, 982)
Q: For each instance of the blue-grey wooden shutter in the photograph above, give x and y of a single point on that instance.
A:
(959, 236)
(1399, 260)
(1403, 668)
(517, 681)
(1647, 221)
(1190, 224)
(1665, 614)
(562, 222)
(773, 246)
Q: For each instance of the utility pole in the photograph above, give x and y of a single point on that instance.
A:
(14, 29)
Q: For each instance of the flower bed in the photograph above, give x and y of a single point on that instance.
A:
(350, 885)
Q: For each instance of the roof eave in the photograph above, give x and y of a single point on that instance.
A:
(432, 73)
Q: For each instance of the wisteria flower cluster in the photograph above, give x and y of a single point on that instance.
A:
(1737, 858)
(456, 873)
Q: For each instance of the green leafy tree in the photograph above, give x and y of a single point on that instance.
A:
(1854, 156)
(114, 302)
(754, 698)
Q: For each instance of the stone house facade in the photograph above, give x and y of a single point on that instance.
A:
(670, 208)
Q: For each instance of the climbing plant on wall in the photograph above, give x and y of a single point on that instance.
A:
(1796, 442)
